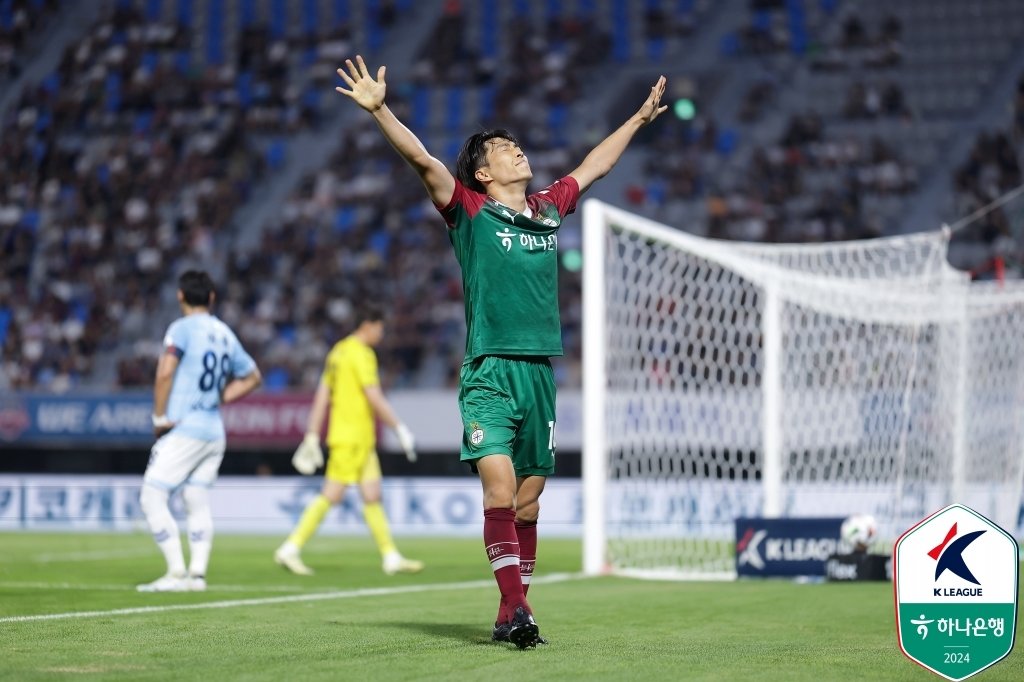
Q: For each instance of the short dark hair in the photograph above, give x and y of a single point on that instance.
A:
(196, 288)
(367, 311)
(474, 151)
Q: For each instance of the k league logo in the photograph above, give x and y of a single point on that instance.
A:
(955, 582)
(749, 548)
(952, 558)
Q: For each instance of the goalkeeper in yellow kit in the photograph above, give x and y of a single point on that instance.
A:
(351, 388)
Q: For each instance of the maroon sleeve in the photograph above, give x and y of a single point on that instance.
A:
(563, 194)
(463, 197)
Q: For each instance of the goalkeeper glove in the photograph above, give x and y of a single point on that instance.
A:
(406, 440)
(308, 456)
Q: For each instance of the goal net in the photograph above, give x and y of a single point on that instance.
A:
(727, 379)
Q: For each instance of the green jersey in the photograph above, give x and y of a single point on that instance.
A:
(509, 264)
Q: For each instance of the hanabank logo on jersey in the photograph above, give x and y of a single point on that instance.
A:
(955, 581)
(530, 242)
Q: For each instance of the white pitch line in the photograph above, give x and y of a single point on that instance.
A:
(100, 555)
(123, 587)
(316, 596)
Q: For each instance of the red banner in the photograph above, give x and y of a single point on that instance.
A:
(267, 420)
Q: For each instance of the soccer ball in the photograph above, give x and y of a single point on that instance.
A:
(858, 531)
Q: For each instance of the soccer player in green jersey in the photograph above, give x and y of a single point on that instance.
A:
(506, 243)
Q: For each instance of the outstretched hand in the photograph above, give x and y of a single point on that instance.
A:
(652, 108)
(367, 92)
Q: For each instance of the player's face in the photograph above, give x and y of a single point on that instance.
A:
(506, 162)
(376, 332)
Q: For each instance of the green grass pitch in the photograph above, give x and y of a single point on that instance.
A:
(351, 622)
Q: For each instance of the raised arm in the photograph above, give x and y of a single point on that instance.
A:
(369, 94)
(605, 155)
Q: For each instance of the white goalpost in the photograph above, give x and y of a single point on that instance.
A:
(727, 379)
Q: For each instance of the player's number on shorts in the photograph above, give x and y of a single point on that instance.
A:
(211, 376)
(551, 436)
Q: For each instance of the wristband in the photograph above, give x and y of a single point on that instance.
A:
(160, 421)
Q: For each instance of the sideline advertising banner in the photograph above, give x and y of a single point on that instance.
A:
(785, 547)
(247, 504)
(262, 420)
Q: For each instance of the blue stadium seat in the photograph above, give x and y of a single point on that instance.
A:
(344, 219)
(185, 13)
(310, 16)
(762, 21)
(374, 31)
(5, 323)
(380, 242)
(454, 104)
(243, 88)
(725, 142)
(143, 121)
(43, 120)
(420, 108)
(485, 105)
(30, 220)
(276, 379)
(112, 91)
(342, 13)
(797, 20)
(150, 60)
(215, 32)
(554, 10)
(38, 153)
(729, 45)
(558, 118)
(311, 97)
(277, 152)
(51, 83)
(278, 18)
(655, 49)
(154, 10)
(620, 31)
(451, 148)
(489, 33)
(247, 13)
(182, 61)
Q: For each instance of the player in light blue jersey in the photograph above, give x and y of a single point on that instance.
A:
(202, 367)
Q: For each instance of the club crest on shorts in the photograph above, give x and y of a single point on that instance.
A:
(476, 434)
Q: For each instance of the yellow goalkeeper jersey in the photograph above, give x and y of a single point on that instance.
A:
(351, 366)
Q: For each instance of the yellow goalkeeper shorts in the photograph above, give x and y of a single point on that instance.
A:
(351, 463)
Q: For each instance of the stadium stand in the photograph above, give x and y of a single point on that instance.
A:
(796, 120)
(23, 23)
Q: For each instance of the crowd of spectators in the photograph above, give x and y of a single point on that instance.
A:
(993, 169)
(862, 46)
(362, 227)
(807, 186)
(120, 165)
(123, 164)
(871, 100)
(21, 21)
